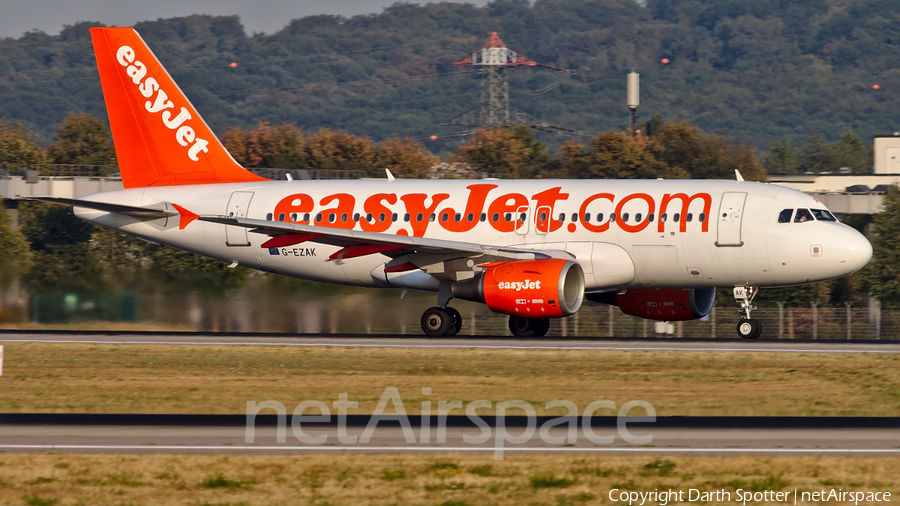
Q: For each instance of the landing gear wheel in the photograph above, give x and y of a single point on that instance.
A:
(749, 328)
(456, 318)
(528, 327)
(521, 327)
(436, 322)
(541, 327)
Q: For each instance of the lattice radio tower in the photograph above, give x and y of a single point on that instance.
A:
(494, 111)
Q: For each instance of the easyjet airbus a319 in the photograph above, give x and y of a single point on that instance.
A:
(530, 249)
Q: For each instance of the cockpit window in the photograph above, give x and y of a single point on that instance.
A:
(802, 216)
(823, 215)
(785, 216)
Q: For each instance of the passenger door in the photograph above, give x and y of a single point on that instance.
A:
(238, 205)
(731, 213)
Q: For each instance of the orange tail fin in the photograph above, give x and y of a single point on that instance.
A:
(160, 138)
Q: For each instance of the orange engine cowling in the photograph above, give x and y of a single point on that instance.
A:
(667, 304)
(546, 288)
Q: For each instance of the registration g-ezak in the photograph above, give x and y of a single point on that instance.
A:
(530, 249)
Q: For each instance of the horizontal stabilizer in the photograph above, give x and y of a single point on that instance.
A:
(144, 213)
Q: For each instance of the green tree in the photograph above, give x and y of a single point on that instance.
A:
(124, 258)
(784, 158)
(15, 257)
(850, 152)
(267, 146)
(63, 257)
(817, 156)
(18, 145)
(337, 149)
(512, 152)
(174, 269)
(405, 158)
(82, 139)
(616, 155)
(707, 156)
(882, 275)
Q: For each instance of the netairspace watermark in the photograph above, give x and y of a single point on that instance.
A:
(744, 497)
(499, 432)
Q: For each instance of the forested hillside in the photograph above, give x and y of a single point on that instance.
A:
(757, 71)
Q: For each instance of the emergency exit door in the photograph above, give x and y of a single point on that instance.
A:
(731, 214)
(238, 205)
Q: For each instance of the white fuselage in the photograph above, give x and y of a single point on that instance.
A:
(715, 234)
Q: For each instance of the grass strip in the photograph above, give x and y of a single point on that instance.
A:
(447, 479)
(83, 378)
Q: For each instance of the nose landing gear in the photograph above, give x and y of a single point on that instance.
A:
(747, 328)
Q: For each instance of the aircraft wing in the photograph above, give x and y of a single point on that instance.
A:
(144, 213)
(358, 243)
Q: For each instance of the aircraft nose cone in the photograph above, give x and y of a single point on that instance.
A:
(855, 251)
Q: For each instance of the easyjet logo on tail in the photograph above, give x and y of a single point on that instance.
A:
(184, 133)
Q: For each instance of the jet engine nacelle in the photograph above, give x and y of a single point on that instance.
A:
(667, 304)
(546, 288)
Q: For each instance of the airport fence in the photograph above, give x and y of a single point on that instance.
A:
(259, 309)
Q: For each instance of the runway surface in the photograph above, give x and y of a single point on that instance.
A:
(389, 438)
(472, 342)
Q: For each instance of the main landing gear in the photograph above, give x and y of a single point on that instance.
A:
(748, 328)
(444, 321)
(441, 321)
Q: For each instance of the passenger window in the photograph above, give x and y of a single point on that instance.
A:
(419, 217)
(690, 217)
(483, 217)
(823, 215)
(650, 217)
(574, 216)
(369, 217)
(394, 217)
(803, 215)
(281, 217)
(625, 217)
(457, 217)
(562, 216)
(702, 217)
(612, 216)
(432, 217)
(676, 217)
(599, 217)
(523, 217)
(496, 217)
(406, 217)
(508, 216)
(344, 217)
(637, 217)
(306, 217)
(543, 216)
(470, 217)
(785, 216)
(293, 216)
(332, 217)
(356, 217)
(587, 217)
(381, 217)
(663, 217)
(444, 217)
(269, 217)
